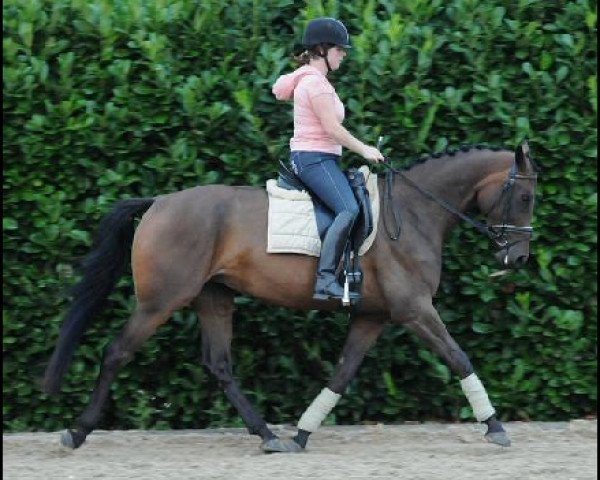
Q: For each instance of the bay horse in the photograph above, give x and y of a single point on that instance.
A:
(201, 246)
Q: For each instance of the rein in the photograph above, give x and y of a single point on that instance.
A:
(496, 233)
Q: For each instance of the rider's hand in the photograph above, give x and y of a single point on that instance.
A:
(372, 154)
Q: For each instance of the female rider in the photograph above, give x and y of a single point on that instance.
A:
(319, 136)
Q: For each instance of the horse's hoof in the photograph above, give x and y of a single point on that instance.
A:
(278, 445)
(70, 439)
(66, 440)
(499, 438)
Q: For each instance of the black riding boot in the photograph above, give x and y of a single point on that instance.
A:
(332, 249)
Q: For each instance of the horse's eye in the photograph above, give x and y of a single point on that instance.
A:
(526, 197)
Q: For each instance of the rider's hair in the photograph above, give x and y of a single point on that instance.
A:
(305, 57)
(311, 53)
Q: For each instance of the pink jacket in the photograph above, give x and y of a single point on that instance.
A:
(304, 84)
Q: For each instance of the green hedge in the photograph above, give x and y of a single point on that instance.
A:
(109, 99)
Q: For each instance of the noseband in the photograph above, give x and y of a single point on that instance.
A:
(496, 233)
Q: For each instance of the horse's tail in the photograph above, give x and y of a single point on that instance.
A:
(101, 269)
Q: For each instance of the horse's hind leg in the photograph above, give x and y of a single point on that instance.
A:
(215, 308)
(141, 326)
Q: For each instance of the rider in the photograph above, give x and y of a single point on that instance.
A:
(319, 136)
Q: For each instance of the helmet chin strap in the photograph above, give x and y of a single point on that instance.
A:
(324, 55)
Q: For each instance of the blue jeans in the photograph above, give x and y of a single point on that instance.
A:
(321, 173)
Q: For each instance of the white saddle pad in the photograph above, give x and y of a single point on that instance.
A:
(292, 225)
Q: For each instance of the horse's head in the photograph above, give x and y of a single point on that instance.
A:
(509, 206)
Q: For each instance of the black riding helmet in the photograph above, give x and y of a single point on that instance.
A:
(326, 30)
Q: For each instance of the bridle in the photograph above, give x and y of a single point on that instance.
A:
(497, 233)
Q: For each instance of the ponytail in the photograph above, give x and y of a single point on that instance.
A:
(315, 51)
(305, 57)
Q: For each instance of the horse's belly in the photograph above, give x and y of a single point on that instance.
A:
(288, 280)
(280, 279)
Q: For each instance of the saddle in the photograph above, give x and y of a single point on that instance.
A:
(351, 274)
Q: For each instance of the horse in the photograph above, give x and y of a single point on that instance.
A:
(202, 246)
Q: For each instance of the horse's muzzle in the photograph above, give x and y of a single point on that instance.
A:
(512, 257)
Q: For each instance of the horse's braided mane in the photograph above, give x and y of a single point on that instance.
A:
(451, 152)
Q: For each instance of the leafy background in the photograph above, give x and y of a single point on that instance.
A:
(109, 99)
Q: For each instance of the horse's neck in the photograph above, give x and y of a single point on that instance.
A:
(454, 179)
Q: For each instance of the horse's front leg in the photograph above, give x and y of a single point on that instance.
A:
(364, 332)
(424, 321)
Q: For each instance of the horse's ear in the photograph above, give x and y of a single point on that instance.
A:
(522, 156)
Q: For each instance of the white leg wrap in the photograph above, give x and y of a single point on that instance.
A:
(477, 396)
(317, 411)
